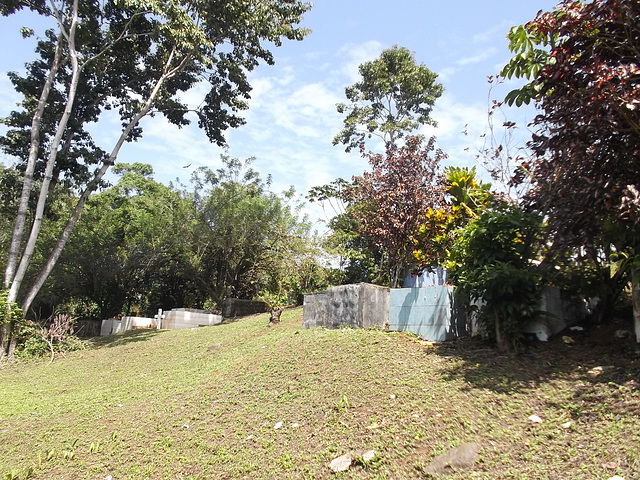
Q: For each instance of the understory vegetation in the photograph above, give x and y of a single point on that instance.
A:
(242, 400)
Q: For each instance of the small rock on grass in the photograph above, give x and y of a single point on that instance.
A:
(341, 464)
(368, 456)
(535, 419)
(457, 458)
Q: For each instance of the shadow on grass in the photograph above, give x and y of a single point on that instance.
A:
(592, 359)
(124, 338)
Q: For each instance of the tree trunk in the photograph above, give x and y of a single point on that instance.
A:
(91, 186)
(18, 277)
(27, 183)
(635, 288)
(275, 316)
(501, 341)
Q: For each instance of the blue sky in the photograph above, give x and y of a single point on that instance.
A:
(292, 117)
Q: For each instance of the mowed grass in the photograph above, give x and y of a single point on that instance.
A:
(242, 400)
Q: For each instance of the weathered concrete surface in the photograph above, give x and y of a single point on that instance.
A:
(561, 311)
(182, 318)
(173, 320)
(360, 305)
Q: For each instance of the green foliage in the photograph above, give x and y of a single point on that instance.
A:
(466, 191)
(249, 239)
(275, 301)
(357, 259)
(492, 261)
(467, 199)
(125, 248)
(55, 336)
(136, 58)
(394, 97)
(525, 42)
(9, 311)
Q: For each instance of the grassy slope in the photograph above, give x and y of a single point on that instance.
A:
(203, 404)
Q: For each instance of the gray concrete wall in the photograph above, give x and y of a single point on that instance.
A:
(561, 311)
(235, 307)
(359, 306)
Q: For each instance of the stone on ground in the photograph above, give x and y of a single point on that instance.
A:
(456, 458)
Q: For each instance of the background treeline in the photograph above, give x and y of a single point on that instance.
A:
(141, 245)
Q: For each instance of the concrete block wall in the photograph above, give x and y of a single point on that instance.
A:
(429, 312)
(235, 307)
(360, 305)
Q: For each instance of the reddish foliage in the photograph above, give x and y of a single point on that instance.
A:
(392, 200)
(588, 142)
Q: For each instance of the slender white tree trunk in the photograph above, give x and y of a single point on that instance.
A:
(29, 248)
(27, 183)
(64, 237)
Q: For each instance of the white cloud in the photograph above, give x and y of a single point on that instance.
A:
(477, 58)
(353, 55)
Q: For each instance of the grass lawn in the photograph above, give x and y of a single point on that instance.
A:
(242, 400)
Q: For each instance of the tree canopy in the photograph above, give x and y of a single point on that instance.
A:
(134, 58)
(393, 98)
(582, 60)
(391, 201)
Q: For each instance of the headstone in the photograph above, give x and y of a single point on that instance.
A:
(159, 318)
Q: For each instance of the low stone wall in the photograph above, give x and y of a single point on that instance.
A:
(115, 325)
(87, 327)
(429, 312)
(361, 305)
(180, 318)
(175, 319)
(235, 307)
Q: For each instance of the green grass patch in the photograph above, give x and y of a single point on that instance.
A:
(242, 400)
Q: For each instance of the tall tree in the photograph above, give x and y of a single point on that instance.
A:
(394, 97)
(248, 239)
(391, 201)
(582, 62)
(133, 57)
(124, 250)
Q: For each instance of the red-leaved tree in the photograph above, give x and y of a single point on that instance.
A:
(391, 201)
(583, 60)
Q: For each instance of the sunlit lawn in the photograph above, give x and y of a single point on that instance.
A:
(242, 400)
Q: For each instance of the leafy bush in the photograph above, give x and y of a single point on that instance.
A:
(492, 262)
(35, 340)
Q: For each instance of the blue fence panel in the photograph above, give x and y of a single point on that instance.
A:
(428, 312)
